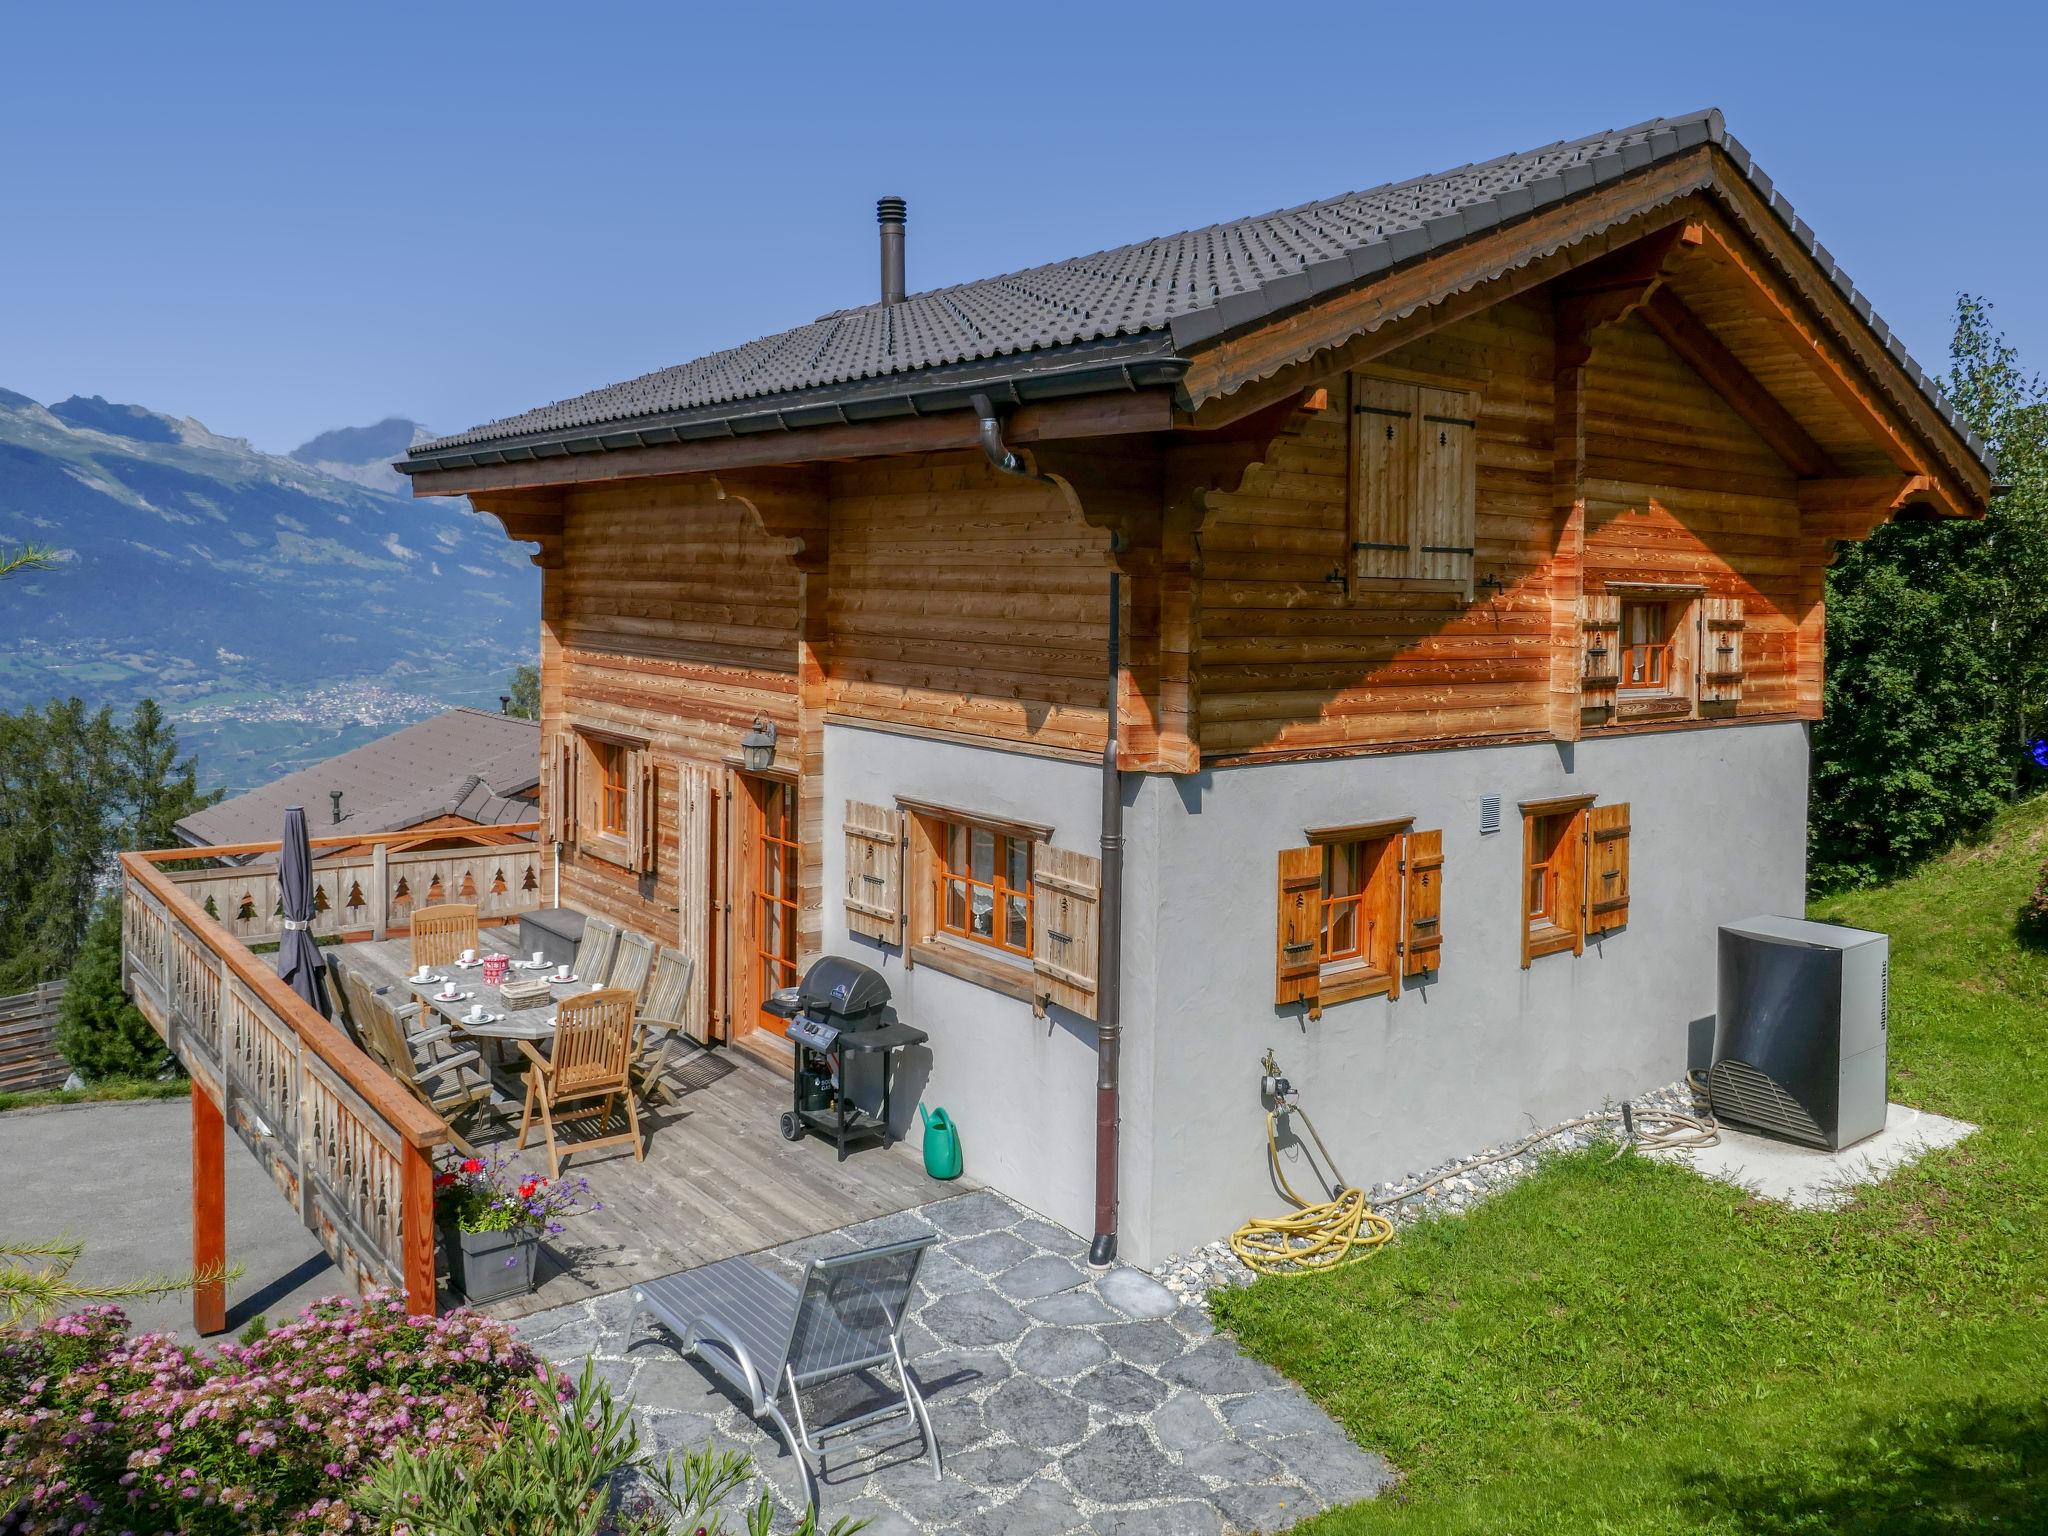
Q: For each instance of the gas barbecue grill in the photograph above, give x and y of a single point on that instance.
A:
(846, 1036)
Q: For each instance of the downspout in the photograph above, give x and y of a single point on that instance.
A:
(1109, 968)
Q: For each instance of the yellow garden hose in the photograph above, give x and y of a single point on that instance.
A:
(1319, 1235)
(1329, 1233)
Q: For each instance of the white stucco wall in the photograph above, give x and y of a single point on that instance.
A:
(1718, 832)
(1021, 1087)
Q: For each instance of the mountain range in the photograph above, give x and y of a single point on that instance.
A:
(280, 608)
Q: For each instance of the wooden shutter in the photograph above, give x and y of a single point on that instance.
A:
(1383, 501)
(1297, 975)
(696, 900)
(562, 793)
(1599, 656)
(1721, 627)
(1066, 938)
(1422, 894)
(643, 810)
(1607, 868)
(874, 871)
(1447, 485)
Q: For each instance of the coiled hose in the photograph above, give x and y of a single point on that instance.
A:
(1326, 1234)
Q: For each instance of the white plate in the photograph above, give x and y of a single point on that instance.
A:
(563, 981)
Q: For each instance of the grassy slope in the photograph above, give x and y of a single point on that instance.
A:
(1616, 1346)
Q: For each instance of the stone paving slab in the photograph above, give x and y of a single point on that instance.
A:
(1065, 1400)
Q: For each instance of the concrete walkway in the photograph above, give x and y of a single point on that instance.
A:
(118, 1177)
(1064, 1401)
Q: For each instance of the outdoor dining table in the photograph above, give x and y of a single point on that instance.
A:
(388, 964)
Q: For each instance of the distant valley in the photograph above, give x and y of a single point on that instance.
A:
(281, 609)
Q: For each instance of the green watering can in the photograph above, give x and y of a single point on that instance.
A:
(941, 1144)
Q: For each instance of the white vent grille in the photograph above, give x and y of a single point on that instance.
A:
(1489, 814)
(1739, 1092)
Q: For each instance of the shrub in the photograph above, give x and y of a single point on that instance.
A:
(107, 1433)
(2033, 916)
(99, 1031)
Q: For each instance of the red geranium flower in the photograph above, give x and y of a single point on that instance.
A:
(443, 1180)
(473, 1165)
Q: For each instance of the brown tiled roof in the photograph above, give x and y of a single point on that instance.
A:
(1073, 324)
(464, 762)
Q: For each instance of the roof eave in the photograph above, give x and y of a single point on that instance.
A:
(1119, 365)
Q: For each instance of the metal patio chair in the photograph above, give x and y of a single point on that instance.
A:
(594, 953)
(762, 1335)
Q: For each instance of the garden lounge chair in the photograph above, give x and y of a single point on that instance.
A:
(589, 1065)
(440, 934)
(762, 1335)
(594, 953)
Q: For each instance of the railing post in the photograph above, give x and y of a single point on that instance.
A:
(380, 894)
(416, 1230)
(209, 1211)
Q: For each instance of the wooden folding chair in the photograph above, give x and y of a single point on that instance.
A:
(594, 953)
(632, 959)
(440, 934)
(450, 1082)
(591, 1061)
(339, 1002)
(661, 1023)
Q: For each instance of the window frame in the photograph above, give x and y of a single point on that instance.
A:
(1001, 893)
(611, 759)
(1009, 971)
(593, 836)
(1660, 651)
(1370, 967)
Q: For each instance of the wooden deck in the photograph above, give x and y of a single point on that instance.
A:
(717, 1180)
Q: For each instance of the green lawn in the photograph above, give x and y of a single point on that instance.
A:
(1619, 1346)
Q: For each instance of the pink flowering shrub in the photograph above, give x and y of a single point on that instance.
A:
(103, 1433)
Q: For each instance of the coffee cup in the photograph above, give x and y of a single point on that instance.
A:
(476, 1011)
(469, 957)
(597, 986)
(561, 973)
(426, 973)
(539, 958)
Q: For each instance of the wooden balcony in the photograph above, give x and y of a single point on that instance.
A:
(348, 1146)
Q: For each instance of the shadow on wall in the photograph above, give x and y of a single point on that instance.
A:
(1955, 1466)
(1699, 1044)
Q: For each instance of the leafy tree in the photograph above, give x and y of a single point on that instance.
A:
(525, 693)
(76, 787)
(1938, 646)
(99, 1031)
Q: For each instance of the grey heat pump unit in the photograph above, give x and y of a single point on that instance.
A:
(1799, 1048)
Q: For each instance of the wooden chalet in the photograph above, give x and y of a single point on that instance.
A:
(1419, 593)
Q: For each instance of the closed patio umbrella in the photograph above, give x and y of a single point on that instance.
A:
(298, 957)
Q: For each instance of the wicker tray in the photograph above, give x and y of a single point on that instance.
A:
(519, 995)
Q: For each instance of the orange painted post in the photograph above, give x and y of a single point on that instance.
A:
(209, 1211)
(416, 1230)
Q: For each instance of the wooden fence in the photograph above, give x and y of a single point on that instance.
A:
(346, 1144)
(28, 1040)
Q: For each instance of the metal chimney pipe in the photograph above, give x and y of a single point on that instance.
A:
(890, 213)
(334, 801)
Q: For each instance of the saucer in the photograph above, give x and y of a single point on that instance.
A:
(453, 997)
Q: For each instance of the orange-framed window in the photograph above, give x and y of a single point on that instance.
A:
(1358, 928)
(1546, 900)
(985, 887)
(1645, 648)
(610, 760)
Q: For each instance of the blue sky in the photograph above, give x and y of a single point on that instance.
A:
(289, 217)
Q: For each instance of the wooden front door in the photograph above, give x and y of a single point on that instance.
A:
(765, 902)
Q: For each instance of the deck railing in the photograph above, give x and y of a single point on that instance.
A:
(349, 1146)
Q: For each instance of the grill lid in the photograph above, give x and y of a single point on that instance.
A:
(835, 985)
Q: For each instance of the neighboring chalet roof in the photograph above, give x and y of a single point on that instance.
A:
(463, 762)
(1119, 319)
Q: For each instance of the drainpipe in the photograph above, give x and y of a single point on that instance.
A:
(1109, 968)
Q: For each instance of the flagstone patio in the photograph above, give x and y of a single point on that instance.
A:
(1064, 1400)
